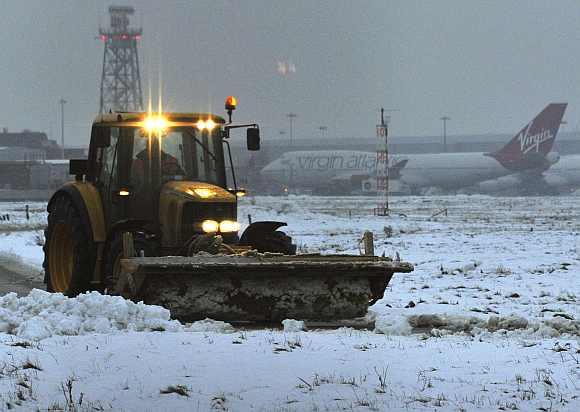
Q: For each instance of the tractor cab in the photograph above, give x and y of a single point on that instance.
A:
(166, 174)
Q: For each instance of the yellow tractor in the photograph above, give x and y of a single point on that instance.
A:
(152, 215)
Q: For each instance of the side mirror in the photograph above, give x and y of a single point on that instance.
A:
(101, 136)
(78, 168)
(253, 137)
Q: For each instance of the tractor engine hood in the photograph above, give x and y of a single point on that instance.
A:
(196, 191)
(183, 204)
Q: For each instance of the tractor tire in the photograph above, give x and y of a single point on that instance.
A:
(276, 242)
(67, 250)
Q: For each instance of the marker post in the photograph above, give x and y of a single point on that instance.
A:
(382, 167)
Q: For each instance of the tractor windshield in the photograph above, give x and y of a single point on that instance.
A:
(181, 154)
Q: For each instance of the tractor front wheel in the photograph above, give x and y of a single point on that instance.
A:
(67, 248)
(276, 242)
(114, 255)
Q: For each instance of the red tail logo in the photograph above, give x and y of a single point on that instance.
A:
(529, 142)
(530, 146)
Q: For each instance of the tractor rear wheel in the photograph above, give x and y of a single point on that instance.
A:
(67, 250)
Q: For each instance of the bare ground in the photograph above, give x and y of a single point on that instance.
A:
(14, 282)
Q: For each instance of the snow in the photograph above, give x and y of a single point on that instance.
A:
(41, 315)
(293, 325)
(488, 257)
(20, 237)
(276, 371)
(489, 320)
(210, 325)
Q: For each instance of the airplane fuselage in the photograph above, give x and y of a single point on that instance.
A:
(320, 168)
(445, 170)
(449, 170)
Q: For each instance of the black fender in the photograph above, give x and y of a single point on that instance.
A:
(257, 230)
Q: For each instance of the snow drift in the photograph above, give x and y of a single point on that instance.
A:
(41, 315)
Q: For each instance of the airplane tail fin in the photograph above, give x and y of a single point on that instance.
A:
(533, 143)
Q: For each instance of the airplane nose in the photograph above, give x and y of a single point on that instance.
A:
(267, 170)
(272, 171)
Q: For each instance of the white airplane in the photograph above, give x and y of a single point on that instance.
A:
(321, 170)
(528, 152)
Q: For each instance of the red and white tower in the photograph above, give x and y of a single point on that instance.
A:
(382, 166)
(120, 80)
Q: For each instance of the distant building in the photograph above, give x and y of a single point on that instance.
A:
(49, 175)
(21, 154)
(29, 160)
(31, 140)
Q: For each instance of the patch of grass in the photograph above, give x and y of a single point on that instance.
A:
(72, 403)
(218, 402)
(28, 364)
(178, 389)
(39, 238)
(347, 381)
(22, 344)
(382, 378)
(158, 329)
(289, 345)
(502, 271)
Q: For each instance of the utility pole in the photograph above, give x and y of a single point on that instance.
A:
(444, 119)
(62, 103)
(291, 117)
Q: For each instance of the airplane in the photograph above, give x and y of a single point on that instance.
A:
(529, 151)
(324, 171)
(564, 176)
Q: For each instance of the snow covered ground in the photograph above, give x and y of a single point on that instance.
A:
(20, 237)
(489, 320)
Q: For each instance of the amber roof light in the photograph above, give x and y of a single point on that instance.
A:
(231, 103)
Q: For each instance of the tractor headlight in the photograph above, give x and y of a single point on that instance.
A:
(155, 124)
(229, 226)
(208, 124)
(210, 226)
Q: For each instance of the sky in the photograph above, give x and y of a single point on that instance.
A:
(488, 65)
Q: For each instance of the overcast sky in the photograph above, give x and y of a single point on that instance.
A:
(489, 65)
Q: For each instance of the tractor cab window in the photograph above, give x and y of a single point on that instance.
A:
(204, 151)
(138, 160)
(180, 154)
(172, 156)
(107, 175)
(187, 154)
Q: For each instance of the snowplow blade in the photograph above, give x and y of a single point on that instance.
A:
(260, 288)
